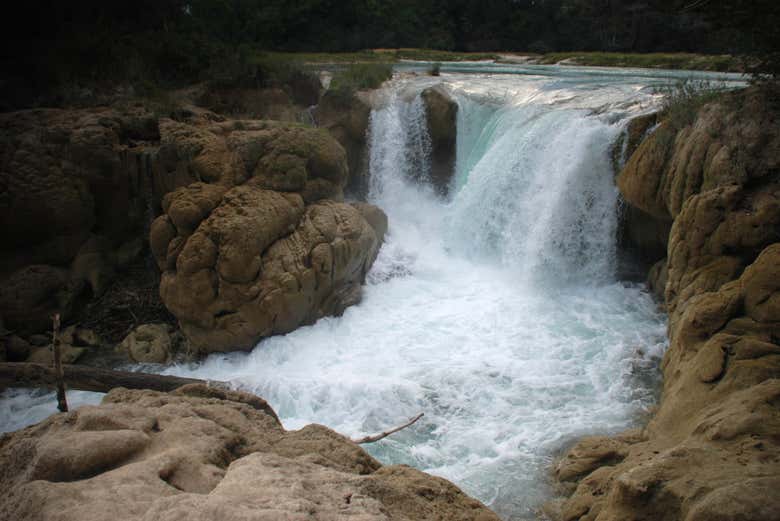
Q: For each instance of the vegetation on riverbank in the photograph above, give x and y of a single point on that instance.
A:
(682, 61)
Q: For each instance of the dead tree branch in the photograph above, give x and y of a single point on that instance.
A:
(382, 435)
(62, 402)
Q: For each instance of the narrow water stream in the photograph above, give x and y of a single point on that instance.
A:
(496, 311)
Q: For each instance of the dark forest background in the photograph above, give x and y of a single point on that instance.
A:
(177, 41)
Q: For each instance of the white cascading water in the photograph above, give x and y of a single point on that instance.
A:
(495, 312)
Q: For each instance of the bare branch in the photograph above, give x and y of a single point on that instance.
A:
(377, 437)
(62, 402)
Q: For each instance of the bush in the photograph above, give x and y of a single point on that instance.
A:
(683, 100)
(358, 76)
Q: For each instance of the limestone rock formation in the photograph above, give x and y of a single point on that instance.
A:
(73, 198)
(82, 187)
(150, 343)
(262, 247)
(442, 117)
(711, 452)
(347, 120)
(204, 454)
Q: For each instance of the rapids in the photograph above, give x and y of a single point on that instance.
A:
(497, 310)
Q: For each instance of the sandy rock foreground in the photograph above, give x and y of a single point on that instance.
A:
(204, 454)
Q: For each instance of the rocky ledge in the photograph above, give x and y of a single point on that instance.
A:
(245, 219)
(712, 450)
(204, 454)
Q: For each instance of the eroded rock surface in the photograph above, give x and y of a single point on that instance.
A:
(73, 204)
(711, 452)
(263, 245)
(251, 236)
(205, 454)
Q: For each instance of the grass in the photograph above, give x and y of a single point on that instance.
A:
(358, 76)
(683, 101)
(681, 61)
(377, 56)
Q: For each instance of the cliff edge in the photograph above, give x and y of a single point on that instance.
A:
(712, 450)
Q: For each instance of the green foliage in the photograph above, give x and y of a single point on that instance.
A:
(683, 101)
(680, 61)
(94, 44)
(754, 28)
(358, 76)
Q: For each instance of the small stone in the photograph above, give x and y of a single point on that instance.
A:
(148, 343)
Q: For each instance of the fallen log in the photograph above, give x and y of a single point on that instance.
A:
(95, 379)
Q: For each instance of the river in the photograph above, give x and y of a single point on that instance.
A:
(496, 310)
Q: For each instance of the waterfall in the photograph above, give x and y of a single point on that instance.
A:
(541, 199)
(495, 311)
(400, 145)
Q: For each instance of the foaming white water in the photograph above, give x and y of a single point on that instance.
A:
(496, 312)
(541, 198)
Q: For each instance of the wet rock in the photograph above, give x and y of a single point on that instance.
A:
(656, 279)
(441, 115)
(347, 121)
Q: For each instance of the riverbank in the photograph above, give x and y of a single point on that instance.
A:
(674, 61)
(711, 450)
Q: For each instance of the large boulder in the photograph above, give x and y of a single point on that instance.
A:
(441, 113)
(711, 450)
(264, 264)
(264, 246)
(204, 454)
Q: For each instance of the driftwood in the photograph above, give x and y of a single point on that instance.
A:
(385, 434)
(87, 378)
(62, 402)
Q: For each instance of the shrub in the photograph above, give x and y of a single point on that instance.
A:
(359, 76)
(683, 100)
